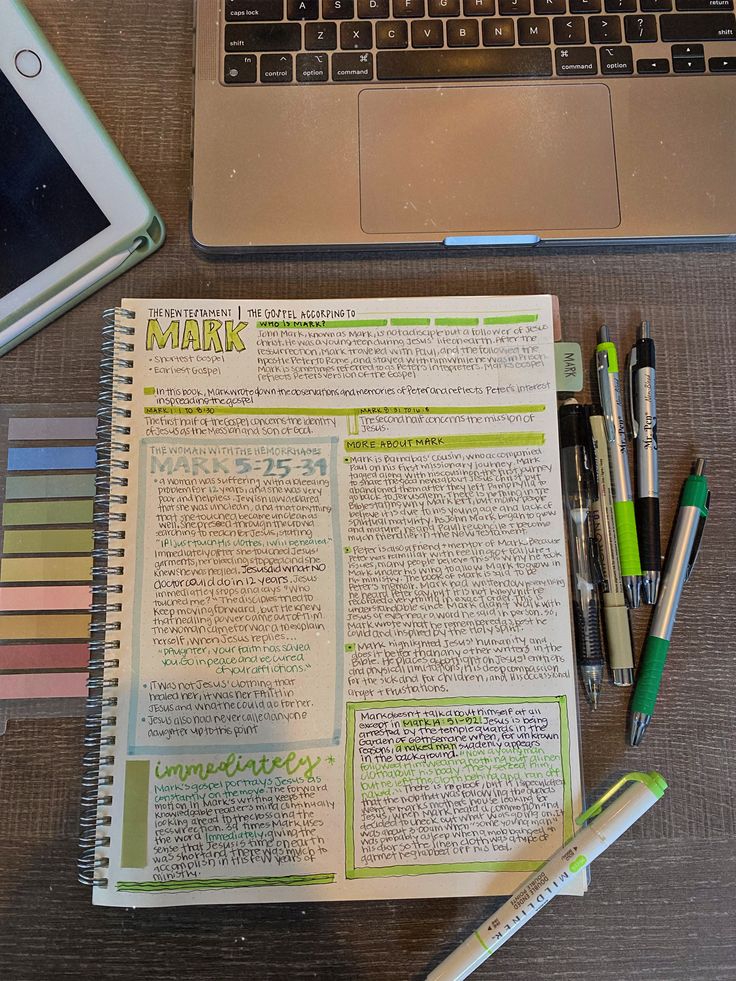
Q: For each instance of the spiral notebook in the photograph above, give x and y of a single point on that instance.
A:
(332, 653)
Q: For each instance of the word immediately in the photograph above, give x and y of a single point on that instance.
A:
(205, 335)
(234, 764)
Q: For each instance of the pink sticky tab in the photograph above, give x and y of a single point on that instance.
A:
(59, 685)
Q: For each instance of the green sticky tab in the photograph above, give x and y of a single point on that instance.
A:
(610, 350)
(76, 512)
(47, 541)
(134, 849)
(650, 675)
(568, 367)
(580, 862)
(628, 543)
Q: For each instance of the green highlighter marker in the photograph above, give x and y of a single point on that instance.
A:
(606, 361)
(681, 555)
(610, 816)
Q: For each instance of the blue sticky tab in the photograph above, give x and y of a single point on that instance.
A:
(507, 240)
(52, 458)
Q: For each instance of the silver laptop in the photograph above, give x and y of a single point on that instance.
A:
(344, 123)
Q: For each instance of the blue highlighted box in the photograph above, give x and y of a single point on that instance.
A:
(52, 458)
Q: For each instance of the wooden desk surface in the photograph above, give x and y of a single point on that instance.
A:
(661, 901)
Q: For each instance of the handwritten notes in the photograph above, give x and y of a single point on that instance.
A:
(345, 643)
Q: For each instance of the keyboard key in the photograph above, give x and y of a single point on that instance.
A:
(337, 9)
(392, 34)
(585, 6)
(477, 63)
(479, 8)
(533, 30)
(697, 27)
(254, 10)
(408, 8)
(443, 8)
(462, 33)
(356, 35)
(320, 37)
(617, 60)
(641, 28)
(427, 34)
(704, 4)
(302, 9)
(655, 6)
(688, 66)
(687, 51)
(548, 7)
(620, 6)
(312, 68)
(605, 30)
(276, 68)
(349, 66)
(498, 31)
(240, 69)
(653, 66)
(263, 37)
(722, 65)
(373, 8)
(569, 30)
(576, 61)
(514, 8)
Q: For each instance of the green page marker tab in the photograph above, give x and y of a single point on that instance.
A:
(568, 367)
(628, 543)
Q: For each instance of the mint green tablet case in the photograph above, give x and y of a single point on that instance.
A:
(150, 234)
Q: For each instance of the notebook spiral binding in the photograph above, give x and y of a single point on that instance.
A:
(110, 493)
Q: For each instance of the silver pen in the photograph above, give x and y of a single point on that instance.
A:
(643, 405)
(609, 388)
(615, 614)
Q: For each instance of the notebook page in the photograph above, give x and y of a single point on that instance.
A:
(346, 666)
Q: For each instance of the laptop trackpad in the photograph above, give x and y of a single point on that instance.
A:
(487, 158)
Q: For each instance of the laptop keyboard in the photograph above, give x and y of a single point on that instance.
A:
(277, 42)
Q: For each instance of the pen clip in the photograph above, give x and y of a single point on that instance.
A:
(631, 366)
(698, 539)
(601, 363)
(646, 778)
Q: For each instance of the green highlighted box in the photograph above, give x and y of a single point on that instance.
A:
(134, 848)
(456, 321)
(512, 318)
(185, 885)
(467, 718)
(429, 444)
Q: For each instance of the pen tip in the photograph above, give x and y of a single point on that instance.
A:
(699, 466)
(645, 329)
(604, 335)
(592, 692)
(639, 723)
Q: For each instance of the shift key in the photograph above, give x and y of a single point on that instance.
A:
(698, 27)
(263, 37)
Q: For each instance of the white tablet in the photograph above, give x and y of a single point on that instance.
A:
(72, 215)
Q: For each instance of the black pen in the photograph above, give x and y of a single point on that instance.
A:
(643, 407)
(578, 495)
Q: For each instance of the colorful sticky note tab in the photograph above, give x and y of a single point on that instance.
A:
(47, 541)
(52, 458)
(48, 513)
(47, 569)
